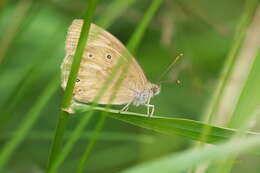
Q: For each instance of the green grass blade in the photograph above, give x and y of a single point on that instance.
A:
(67, 148)
(249, 101)
(78, 54)
(58, 139)
(183, 161)
(63, 118)
(171, 126)
(181, 127)
(27, 123)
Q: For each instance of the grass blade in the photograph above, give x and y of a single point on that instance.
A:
(249, 101)
(171, 126)
(63, 118)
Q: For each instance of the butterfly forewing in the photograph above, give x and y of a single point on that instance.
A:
(101, 55)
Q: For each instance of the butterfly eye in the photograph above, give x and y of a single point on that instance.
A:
(90, 55)
(109, 56)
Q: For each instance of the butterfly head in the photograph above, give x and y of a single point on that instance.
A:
(155, 89)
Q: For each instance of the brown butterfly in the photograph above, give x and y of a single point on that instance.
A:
(102, 52)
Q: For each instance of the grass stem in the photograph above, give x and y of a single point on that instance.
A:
(63, 118)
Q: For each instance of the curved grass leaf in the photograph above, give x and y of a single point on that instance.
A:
(171, 126)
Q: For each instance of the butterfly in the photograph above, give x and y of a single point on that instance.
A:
(102, 53)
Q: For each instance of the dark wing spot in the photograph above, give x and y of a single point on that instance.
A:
(90, 55)
(109, 56)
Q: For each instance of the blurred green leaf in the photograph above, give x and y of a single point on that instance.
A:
(247, 110)
(104, 136)
(179, 162)
(29, 119)
(231, 59)
(139, 33)
(113, 11)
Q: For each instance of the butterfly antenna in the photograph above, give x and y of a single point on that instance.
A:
(165, 81)
(169, 67)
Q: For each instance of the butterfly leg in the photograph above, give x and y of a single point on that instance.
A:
(150, 113)
(148, 105)
(125, 108)
(152, 106)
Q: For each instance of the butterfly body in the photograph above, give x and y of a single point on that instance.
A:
(101, 55)
(143, 97)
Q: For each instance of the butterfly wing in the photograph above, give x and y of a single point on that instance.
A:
(102, 54)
